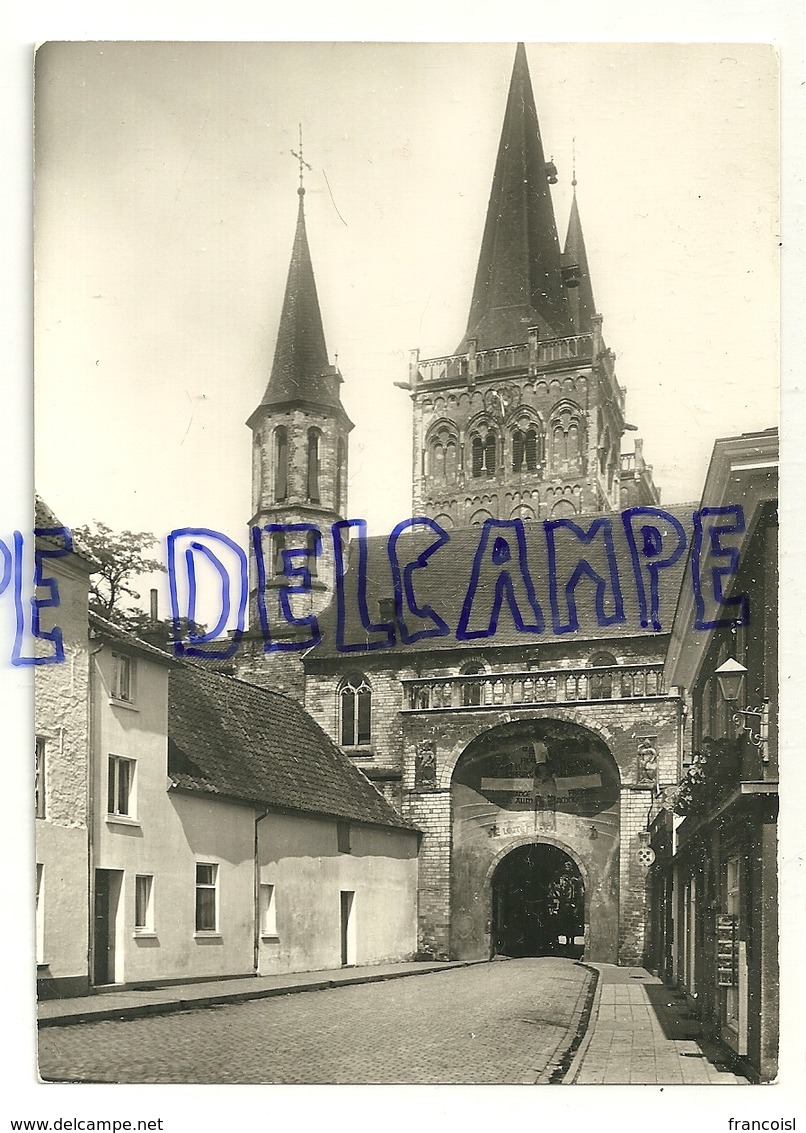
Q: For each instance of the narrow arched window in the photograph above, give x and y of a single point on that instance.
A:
(277, 548)
(313, 466)
(530, 453)
(438, 465)
(355, 706)
(280, 464)
(478, 456)
(312, 557)
(489, 454)
(560, 444)
(573, 442)
(450, 461)
(518, 451)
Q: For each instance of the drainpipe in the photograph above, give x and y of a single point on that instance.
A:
(256, 943)
(90, 800)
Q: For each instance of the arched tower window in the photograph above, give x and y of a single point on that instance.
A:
(313, 465)
(490, 463)
(440, 454)
(355, 710)
(567, 435)
(526, 450)
(310, 550)
(280, 463)
(478, 456)
(277, 548)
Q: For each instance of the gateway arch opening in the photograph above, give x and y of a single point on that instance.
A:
(538, 903)
(533, 801)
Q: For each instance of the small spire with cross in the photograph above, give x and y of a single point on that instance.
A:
(574, 163)
(303, 164)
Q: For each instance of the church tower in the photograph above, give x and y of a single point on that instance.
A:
(299, 451)
(525, 419)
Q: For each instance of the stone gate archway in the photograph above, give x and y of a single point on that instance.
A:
(534, 782)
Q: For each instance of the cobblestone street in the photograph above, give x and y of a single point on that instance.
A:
(508, 1022)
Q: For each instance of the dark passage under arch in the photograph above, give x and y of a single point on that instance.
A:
(538, 904)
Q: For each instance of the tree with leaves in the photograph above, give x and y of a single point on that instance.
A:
(122, 558)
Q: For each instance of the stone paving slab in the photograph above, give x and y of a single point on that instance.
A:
(640, 1034)
(134, 1003)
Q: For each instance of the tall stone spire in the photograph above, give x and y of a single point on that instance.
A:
(301, 370)
(580, 298)
(518, 279)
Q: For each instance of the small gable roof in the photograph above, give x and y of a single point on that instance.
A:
(229, 738)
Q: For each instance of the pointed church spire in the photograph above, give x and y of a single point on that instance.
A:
(580, 298)
(301, 370)
(518, 279)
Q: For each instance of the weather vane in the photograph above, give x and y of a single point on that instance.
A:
(303, 164)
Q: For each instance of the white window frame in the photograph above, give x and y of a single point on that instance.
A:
(147, 927)
(40, 781)
(115, 765)
(40, 913)
(268, 911)
(124, 691)
(201, 886)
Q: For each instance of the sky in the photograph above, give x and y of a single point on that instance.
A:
(165, 205)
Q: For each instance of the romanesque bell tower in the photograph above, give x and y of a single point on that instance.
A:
(525, 418)
(299, 452)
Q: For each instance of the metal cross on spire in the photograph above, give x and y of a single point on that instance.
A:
(574, 163)
(303, 164)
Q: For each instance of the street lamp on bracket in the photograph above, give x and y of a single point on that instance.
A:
(730, 676)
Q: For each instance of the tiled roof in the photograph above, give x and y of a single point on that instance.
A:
(102, 628)
(230, 738)
(443, 585)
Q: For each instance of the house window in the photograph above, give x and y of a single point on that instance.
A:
(39, 782)
(123, 670)
(313, 466)
(268, 911)
(143, 907)
(355, 698)
(206, 897)
(40, 913)
(280, 464)
(343, 837)
(120, 786)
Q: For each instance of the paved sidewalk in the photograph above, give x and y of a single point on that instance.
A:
(641, 1033)
(132, 1003)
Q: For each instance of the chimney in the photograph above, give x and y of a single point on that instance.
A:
(154, 607)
